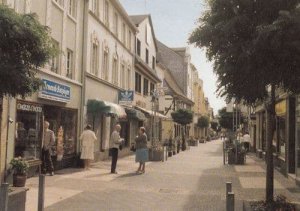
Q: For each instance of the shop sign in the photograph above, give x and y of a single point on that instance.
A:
(126, 97)
(55, 91)
(280, 108)
(29, 107)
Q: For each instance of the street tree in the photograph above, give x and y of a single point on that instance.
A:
(255, 48)
(203, 122)
(25, 45)
(226, 119)
(215, 126)
(183, 117)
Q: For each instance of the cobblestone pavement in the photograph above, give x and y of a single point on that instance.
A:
(191, 180)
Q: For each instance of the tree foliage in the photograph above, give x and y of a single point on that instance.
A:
(203, 122)
(182, 116)
(253, 44)
(214, 126)
(255, 47)
(226, 119)
(25, 45)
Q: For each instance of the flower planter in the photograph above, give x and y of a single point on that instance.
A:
(17, 199)
(247, 206)
(19, 180)
(156, 155)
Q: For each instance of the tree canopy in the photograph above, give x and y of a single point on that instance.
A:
(255, 47)
(203, 122)
(25, 45)
(253, 44)
(182, 116)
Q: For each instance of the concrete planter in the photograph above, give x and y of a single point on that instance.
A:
(156, 155)
(17, 199)
(247, 206)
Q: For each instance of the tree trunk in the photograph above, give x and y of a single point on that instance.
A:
(183, 147)
(269, 159)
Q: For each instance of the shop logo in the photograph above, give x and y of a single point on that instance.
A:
(29, 107)
(126, 97)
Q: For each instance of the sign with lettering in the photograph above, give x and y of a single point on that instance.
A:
(55, 91)
(126, 98)
(29, 107)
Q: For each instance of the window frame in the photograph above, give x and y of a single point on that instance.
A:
(72, 6)
(106, 13)
(138, 47)
(70, 64)
(55, 59)
(105, 64)
(146, 87)
(138, 83)
(115, 70)
(147, 56)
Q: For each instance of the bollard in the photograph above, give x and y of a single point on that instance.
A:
(41, 196)
(230, 202)
(228, 190)
(4, 196)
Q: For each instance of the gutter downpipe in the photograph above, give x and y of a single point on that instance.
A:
(84, 61)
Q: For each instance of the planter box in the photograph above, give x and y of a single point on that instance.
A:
(156, 155)
(17, 199)
(247, 206)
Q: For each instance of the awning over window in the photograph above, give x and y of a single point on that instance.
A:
(135, 114)
(152, 113)
(104, 107)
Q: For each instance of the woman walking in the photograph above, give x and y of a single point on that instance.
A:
(88, 139)
(142, 155)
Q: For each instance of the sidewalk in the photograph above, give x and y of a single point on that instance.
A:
(191, 180)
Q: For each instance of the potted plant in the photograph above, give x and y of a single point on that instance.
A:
(156, 152)
(20, 168)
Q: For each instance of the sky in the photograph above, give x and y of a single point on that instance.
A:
(173, 21)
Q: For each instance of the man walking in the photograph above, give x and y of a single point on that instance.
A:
(115, 141)
(48, 142)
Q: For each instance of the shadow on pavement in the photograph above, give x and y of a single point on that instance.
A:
(132, 174)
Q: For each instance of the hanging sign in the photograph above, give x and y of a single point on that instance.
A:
(126, 97)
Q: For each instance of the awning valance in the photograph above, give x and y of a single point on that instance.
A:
(135, 114)
(104, 107)
(152, 113)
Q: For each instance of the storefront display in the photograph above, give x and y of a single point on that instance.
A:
(29, 129)
(281, 110)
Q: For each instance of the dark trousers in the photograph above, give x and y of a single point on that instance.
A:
(47, 161)
(114, 159)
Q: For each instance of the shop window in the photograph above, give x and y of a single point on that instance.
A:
(125, 132)
(28, 131)
(281, 128)
(63, 122)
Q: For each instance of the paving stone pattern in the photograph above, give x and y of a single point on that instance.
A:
(191, 180)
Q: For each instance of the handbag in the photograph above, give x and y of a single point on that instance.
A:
(132, 148)
(120, 146)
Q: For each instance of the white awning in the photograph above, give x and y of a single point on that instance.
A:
(152, 113)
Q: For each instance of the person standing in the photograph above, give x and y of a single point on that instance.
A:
(48, 142)
(142, 154)
(115, 141)
(246, 141)
(87, 139)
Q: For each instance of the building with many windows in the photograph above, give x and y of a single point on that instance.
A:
(146, 78)
(109, 47)
(59, 100)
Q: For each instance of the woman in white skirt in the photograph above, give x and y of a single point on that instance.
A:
(141, 154)
(88, 139)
